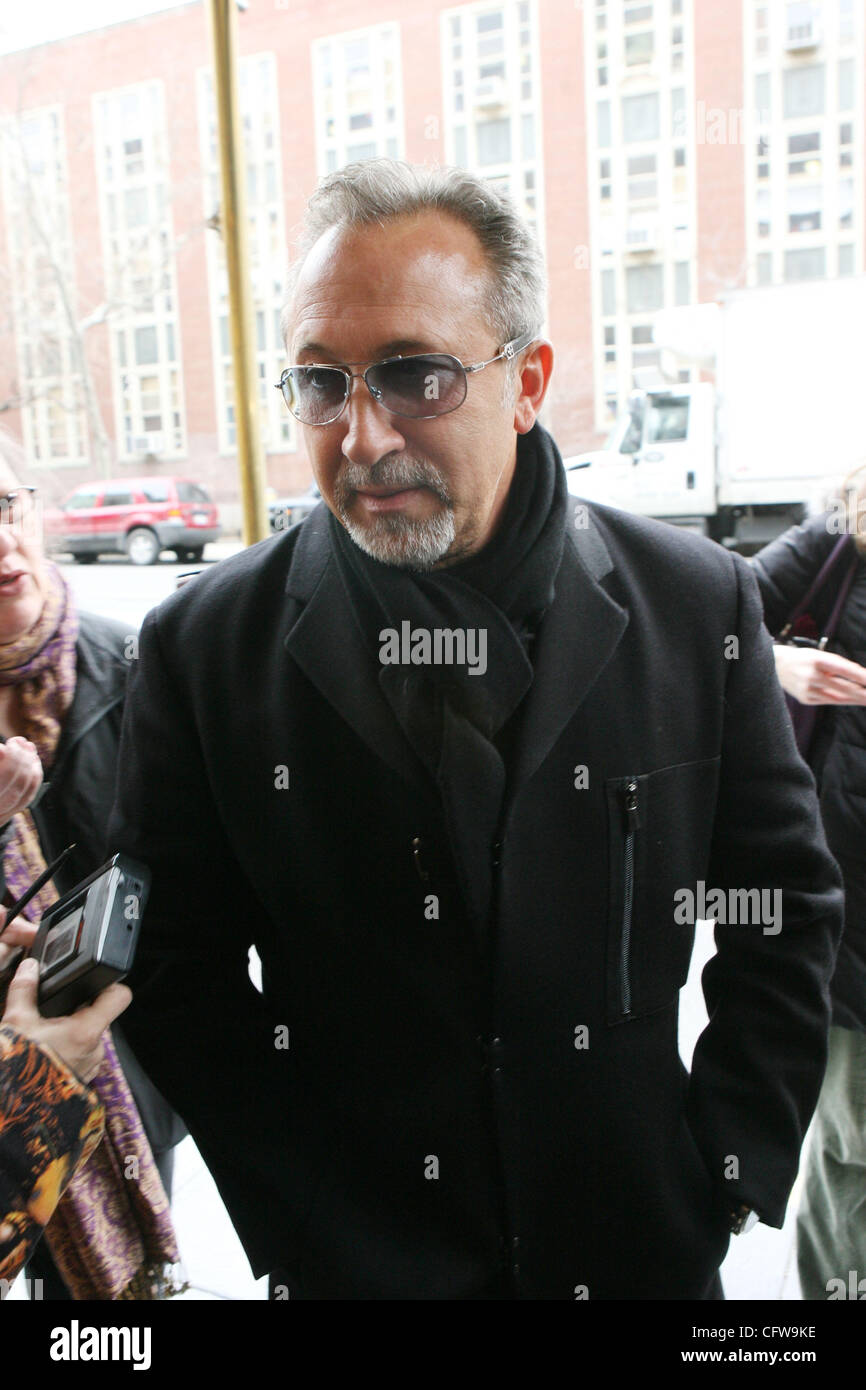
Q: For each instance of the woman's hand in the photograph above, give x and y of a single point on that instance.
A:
(21, 933)
(820, 678)
(77, 1038)
(20, 776)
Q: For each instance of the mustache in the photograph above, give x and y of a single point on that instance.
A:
(394, 470)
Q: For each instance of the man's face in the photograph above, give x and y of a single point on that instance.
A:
(410, 492)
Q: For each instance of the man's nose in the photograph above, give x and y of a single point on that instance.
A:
(371, 432)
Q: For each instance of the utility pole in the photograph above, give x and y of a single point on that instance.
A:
(233, 226)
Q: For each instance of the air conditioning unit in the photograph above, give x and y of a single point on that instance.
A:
(641, 236)
(802, 31)
(491, 93)
(152, 442)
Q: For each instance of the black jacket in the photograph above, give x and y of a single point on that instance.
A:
(410, 1106)
(76, 798)
(785, 569)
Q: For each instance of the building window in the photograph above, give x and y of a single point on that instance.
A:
(608, 293)
(762, 98)
(846, 203)
(640, 118)
(762, 207)
(764, 264)
(807, 147)
(644, 288)
(803, 91)
(804, 207)
(639, 48)
(358, 96)
(41, 273)
(642, 181)
(266, 241)
(495, 129)
(682, 283)
(806, 263)
(603, 118)
(133, 167)
(493, 142)
(846, 20)
(846, 84)
(846, 258)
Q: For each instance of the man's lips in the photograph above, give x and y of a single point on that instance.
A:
(380, 499)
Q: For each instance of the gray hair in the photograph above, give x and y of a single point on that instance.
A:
(381, 190)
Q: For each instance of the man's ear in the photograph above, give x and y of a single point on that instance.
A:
(533, 377)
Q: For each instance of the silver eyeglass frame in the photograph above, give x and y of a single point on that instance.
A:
(508, 351)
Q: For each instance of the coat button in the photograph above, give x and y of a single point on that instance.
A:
(496, 854)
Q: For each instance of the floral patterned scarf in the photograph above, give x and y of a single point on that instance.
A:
(111, 1234)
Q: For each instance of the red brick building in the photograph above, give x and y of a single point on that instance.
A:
(665, 151)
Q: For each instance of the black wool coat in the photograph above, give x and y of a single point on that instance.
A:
(785, 569)
(420, 1103)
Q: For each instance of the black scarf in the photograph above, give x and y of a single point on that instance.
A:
(454, 717)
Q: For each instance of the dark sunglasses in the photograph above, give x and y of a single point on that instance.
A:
(419, 387)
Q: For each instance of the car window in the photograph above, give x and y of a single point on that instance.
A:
(117, 499)
(79, 500)
(192, 492)
(155, 492)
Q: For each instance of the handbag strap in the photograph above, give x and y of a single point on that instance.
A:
(818, 583)
(833, 620)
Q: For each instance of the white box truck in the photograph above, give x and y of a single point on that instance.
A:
(746, 455)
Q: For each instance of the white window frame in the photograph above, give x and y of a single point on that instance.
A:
(384, 41)
(156, 243)
(266, 240)
(62, 390)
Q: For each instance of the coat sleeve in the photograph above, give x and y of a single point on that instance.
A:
(50, 1123)
(758, 1066)
(786, 567)
(196, 1023)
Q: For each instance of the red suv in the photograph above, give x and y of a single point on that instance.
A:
(139, 517)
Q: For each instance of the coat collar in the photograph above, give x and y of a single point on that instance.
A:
(579, 634)
(100, 684)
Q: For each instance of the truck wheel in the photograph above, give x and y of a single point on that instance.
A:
(142, 546)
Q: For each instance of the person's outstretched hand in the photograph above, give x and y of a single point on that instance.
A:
(20, 776)
(76, 1038)
(820, 678)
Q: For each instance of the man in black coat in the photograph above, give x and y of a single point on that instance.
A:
(464, 760)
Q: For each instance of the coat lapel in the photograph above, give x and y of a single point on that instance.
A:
(579, 635)
(326, 643)
(577, 639)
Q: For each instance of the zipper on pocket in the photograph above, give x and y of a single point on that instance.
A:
(629, 793)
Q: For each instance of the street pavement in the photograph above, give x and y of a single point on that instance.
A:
(760, 1265)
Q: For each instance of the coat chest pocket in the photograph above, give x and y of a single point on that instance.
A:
(660, 826)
